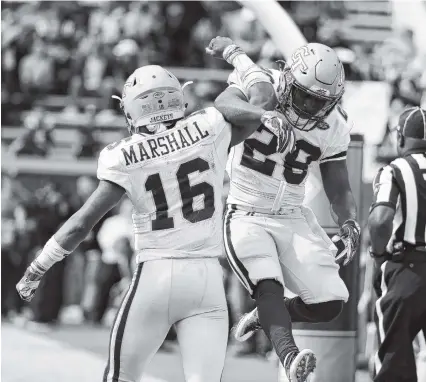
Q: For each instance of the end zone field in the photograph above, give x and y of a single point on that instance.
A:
(78, 353)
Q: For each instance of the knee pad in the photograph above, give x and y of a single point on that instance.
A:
(326, 311)
(268, 286)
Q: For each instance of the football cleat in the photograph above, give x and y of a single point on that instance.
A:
(299, 365)
(247, 326)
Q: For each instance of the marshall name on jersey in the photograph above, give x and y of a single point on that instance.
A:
(175, 181)
(260, 177)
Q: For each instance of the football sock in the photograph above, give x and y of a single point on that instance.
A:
(274, 317)
(322, 312)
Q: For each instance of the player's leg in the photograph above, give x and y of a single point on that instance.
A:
(309, 268)
(141, 324)
(252, 254)
(198, 305)
(203, 340)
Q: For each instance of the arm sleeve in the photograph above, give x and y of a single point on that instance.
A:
(337, 150)
(386, 190)
(341, 138)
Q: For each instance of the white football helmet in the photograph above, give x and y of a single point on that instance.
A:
(311, 84)
(152, 99)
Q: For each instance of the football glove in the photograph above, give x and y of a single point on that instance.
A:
(275, 122)
(347, 241)
(28, 285)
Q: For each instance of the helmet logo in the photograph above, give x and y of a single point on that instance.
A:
(298, 61)
(158, 95)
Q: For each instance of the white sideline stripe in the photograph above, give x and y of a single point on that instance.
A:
(379, 312)
(31, 357)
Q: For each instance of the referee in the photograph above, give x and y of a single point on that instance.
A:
(397, 224)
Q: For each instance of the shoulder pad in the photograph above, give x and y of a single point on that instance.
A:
(110, 157)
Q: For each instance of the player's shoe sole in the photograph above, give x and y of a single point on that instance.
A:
(247, 326)
(302, 366)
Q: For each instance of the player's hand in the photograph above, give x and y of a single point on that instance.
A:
(347, 241)
(276, 123)
(218, 45)
(28, 285)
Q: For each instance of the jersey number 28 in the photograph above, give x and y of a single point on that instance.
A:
(291, 162)
(187, 192)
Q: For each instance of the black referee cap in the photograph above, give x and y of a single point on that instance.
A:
(412, 123)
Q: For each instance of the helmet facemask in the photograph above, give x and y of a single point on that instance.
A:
(303, 108)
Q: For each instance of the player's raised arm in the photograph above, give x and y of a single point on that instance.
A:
(246, 119)
(70, 235)
(253, 81)
(248, 102)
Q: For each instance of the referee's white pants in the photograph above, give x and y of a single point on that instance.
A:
(187, 293)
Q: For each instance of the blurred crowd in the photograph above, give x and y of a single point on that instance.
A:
(81, 53)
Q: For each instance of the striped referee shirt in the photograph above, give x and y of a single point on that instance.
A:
(402, 186)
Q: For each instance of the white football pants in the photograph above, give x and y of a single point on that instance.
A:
(187, 293)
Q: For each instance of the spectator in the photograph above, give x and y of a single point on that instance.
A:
(36, 71)
(93, 73)
(143, 21)
(37, 139)
(89, 251)
(49, 209)
(246, 31)
(13, 261)
(125, 59)
(87, 146)
(115, 238)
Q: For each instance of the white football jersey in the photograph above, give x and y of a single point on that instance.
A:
(175, 182)
(261, 177)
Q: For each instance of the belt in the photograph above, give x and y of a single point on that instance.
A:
(410, 253)
(409, 247)
(409, 257)
(419, 248)
(267, 211)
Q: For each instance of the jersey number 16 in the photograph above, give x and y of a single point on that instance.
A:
(187, 193)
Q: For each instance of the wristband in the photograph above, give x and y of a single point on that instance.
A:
(248, 72)
(51, 253)
(353, 223)
(230, 52)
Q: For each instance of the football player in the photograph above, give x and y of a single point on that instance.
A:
(272, 240)
(172, 169)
